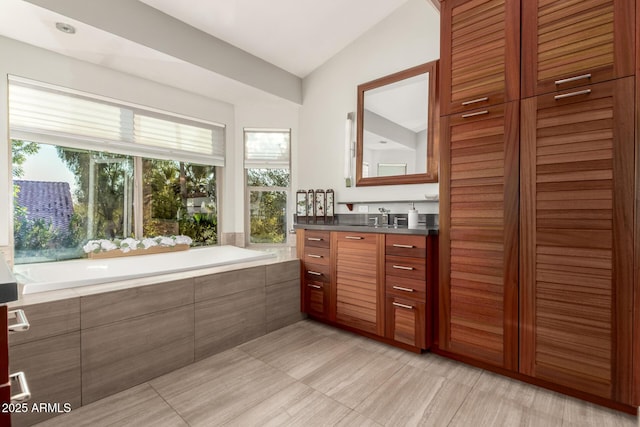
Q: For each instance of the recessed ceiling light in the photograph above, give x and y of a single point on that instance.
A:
(383, 142)
(65, 28)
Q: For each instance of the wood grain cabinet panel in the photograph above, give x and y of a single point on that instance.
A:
(359, 291)
(577, 191)
(570, 43)
(480, 53)
(406, 321)
(478, 293)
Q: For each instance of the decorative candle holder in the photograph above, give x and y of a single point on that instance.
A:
(301, 206)
(321, 205)
(311, 206)
(330, 206)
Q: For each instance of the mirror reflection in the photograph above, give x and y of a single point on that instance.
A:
(395, 128)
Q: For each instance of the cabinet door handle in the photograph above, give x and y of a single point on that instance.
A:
(477, 113)
(315, 286)
(24, 394)
(314, 256)
(400, 288)
(22, 324)
(573, 79)
(572, 94)
(353, 237)
(396, 245)
(408, 307)
(315, 273)
(475, 101)
(402, 267)
(314, 239)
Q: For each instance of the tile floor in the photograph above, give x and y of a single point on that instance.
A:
(309, 374)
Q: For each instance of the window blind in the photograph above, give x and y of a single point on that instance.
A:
(61, 117)
(267, 148)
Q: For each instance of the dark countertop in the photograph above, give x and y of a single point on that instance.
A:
(8, 284)
(422, 230)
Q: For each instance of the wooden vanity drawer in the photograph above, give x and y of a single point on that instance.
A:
(410, 246)
(411, 268)
(318, 239)
(316, 255)
(317, 272)
(406, 288)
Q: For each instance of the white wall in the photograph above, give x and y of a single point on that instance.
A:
(408, 37)
(34, 63)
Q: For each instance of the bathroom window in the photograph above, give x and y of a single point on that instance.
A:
(268, 180)
(91, 168)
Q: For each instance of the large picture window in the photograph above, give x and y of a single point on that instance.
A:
(268, 184)
(87, 168)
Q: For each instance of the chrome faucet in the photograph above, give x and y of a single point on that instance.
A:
(385, 216)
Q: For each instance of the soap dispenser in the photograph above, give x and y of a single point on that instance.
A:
(412, 220)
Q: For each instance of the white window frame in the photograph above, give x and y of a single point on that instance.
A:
(266, 163)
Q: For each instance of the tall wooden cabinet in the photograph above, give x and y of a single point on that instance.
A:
(557, 185)
(478, 234)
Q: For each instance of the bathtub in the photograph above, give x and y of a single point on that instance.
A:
(70, 274)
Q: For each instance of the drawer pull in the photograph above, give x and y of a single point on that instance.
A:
(573, 79)
(402, 267)
(572, 94)
(354, 237)
(477, 113)
(475, 101)
(396, 245)
(315, 273)
(314, 256)
(400, 288)
(314, 239)
(22, 324)
(408, 307)
(315, 286)
(24, 394)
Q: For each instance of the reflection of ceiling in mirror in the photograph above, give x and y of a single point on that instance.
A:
(404, 102)
(372, 142)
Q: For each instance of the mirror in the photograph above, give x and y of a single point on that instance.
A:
(397, 128)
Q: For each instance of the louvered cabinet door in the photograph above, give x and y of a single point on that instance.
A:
(478, 294)
(359, 283)
(570, 43)
(577, 195)
(480, 53)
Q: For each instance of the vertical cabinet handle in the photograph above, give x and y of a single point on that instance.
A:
(22, 324)
(408, 307)
(24, 394)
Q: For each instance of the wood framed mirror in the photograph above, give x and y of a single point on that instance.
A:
(397, 124)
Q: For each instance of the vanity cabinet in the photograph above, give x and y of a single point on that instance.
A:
(480, 54)
(374, 283)
(358, 281)
(572, 43)
(316, 272)
(538, 202)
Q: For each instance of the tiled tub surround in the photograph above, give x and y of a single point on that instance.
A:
(81, 348)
